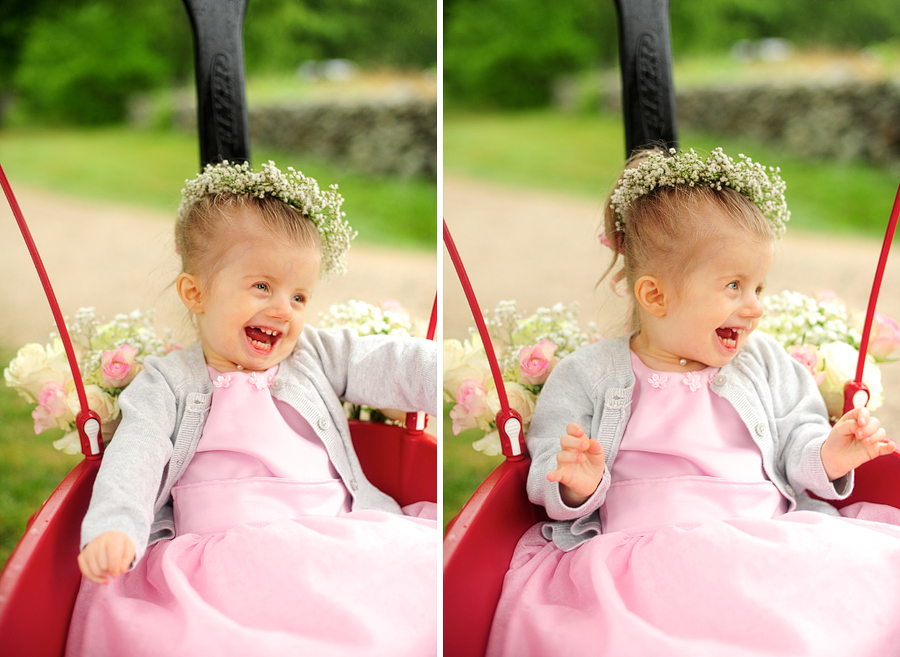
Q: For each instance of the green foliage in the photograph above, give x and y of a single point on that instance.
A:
(280, 34)
(82, 64)
(80, 61)
(507, 53)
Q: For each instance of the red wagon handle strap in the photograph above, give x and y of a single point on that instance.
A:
(87, 421)
(509, 422)
(417, 420)
(856, 393)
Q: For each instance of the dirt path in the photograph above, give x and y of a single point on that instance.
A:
(540, 248)
(118, 258)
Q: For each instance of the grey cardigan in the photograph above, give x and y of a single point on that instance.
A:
(774, 395)
(165, 407)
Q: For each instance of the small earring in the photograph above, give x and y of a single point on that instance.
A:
(240, 367)
(682, 362)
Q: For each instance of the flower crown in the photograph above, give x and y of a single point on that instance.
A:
(668, 169)
(323, 207)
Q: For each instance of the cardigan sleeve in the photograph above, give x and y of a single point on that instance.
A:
(566, 397)
(380, 371)
(802, 426)
(133, 464)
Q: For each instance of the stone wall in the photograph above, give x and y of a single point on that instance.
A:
(848, 121)
(382, 138)
(377, 137)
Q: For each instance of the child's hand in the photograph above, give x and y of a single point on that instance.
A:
(581, 464)
(855, 438)
(107, 556)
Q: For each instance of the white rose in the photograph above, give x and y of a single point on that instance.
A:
(102, 403)
(466, 362)
(520, 400)
(838, 361)
(489, 445)
(70, 443)
(33, 366)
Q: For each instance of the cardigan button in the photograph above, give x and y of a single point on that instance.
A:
(322, 423)
(760, 429)
(720, 380)
(789, 490)
(353, 484)
(277, 383)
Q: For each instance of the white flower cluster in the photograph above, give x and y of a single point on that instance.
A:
(323, 207)
(91, 339)
(793, 319)
(109, 356)
(527, 350)
(366, 319)
(558, 324)
(763, 187)
(389, 318)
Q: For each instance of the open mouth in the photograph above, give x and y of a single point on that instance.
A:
(262, 339)
(729, 337)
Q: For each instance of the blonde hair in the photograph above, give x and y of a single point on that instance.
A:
(665, 230)
(205, 231)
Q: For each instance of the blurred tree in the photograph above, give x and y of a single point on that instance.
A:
(508, 52)
(82, 63)
(280, 34)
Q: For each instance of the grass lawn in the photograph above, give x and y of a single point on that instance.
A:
(30, 468)
(148, 168)
(582, 154)
(464, 468)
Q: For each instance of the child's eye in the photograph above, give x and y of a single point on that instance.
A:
(261, 286)
(299, 298)
(733, 285)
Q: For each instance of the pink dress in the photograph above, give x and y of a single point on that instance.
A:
(268, 559)
(698, 555)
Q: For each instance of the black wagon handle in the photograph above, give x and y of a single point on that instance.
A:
(222, 122)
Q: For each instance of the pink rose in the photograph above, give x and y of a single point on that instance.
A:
(536, 362)
(470, 405)
(885, 337)
(470, 394)
(118, 367)
(827, 296)
(51, 406)
(809, 358)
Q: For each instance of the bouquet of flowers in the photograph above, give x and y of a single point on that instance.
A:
(527, 350)
(388, 318)
(822, 335)
(109, 356)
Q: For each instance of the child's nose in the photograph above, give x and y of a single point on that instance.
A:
(753, 307)
(281, 309)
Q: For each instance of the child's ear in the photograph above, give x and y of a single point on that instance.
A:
(649, 292)
(189, 290)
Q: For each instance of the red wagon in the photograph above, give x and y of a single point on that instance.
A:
(479, 542)
(40, 581)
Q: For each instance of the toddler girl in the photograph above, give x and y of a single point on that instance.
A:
(679, 492)
(230, 515)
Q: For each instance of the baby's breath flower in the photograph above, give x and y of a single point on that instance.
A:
(796, 319)
(763, 186)
(323, 207)
(366, 319)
